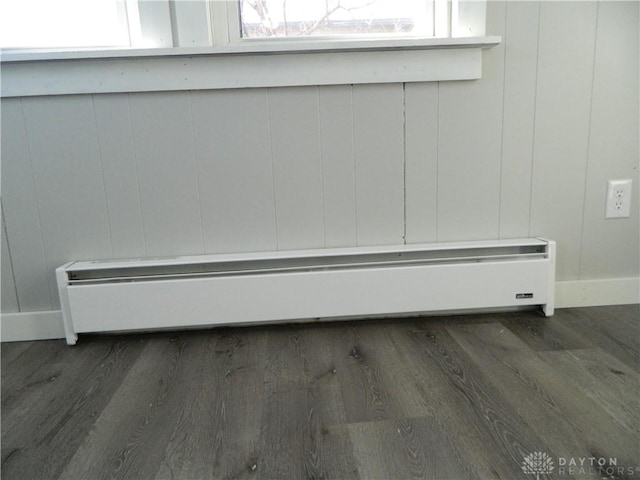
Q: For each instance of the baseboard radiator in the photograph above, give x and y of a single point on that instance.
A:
(208, 290)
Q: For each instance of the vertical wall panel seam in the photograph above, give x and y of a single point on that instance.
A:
(404, 162)
(353, 167)
(135, 163)
(437, 157)
(100, 161)
(586, 167)
(273, 169)
(197, 170)
(13, 274)
(322, 193)
(52, 295)
(535, 110)
(355, 163)
(505, 41)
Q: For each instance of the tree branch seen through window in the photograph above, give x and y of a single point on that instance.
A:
(295, 18)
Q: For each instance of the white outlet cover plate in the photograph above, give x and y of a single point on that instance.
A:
(618, 199)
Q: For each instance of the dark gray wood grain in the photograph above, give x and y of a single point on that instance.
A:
(298, 438)
(587, 426)
(604, 379)
(501, 427)
(217, 430)
(437, 397)
(9, 351)
(59, 404)
(128, 436)
(403, 448)
(374, 382)
(542, 333)
(20, 370)
(507, 363)
(614, 329)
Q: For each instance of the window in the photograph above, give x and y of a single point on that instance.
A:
(105, 46)
(101, 24)
(295, 18)
(63, 24)
(104, 24)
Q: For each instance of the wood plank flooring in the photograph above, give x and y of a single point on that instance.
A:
(454, 397)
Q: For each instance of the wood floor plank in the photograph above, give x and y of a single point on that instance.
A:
(329, 451)
(297, 439)
(366, 399)
(9, 351)
(217, 431)
(620, 318)
(498, 353)
(288, 417)
(615, 329)
(322, 373)
(605, 380)
(594, 426)
(543, 333)
(286, 407)
(403, 448)
(375, 383)
(480, 421)
(60, 408)
(130, 434)
(285, 365)
(30, 362)
(452, 397)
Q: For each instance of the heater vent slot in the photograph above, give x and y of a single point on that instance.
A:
(139, 271)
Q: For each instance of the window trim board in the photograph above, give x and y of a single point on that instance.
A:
(245, 66)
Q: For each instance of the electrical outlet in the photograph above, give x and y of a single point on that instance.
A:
(618, 199)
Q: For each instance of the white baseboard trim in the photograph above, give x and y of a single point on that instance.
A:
(18, 327)
(593, 293)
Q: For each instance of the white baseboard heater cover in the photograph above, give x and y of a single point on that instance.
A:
(208, 290)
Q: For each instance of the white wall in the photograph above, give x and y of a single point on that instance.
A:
(526, 151)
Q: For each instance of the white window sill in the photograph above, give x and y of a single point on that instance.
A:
(250, 64)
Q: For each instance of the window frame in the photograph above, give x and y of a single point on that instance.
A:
(244, 63)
